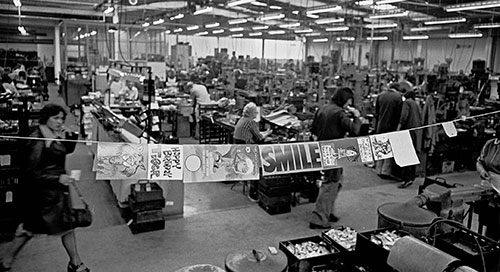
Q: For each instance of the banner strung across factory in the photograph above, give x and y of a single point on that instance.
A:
(280, 159)
(121, 161)
(344, 151)
(204, 163)
(381, 147)
(165, 162)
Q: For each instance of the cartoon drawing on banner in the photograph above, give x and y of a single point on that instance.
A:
(221, 163)
(365, 149)
(338, 152)
(121, 161)
(381, 147)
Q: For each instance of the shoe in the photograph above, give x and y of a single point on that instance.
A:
(316, 226)
(405, 184)
(78, 268)
(333, 218)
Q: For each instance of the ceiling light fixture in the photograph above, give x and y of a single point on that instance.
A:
(212, 25)
(389, 15)
(446, 21)
(329, 21)
(193, 27)
(111, 30)
(238, 2)
(257, 3)
(109, 10)
(254, 34)
(465, 35)
(237, 35)
(168, 31)
(93, 33)
(301, 31)
(203, 10)
(237, 21)
(137, 34)
(17, 3)
(378, 38)
(365, 3)
(22, 30)
(201, 33)
(383, 2)
(236, 29)
(490, 25)
(340, 28)
(415, 37)
(218, 31)
(276, 32)
(146, 24)
(383, 7)
(272, 16)
(320, 40)
(321, 9)
(177, 30)
(312, 16)
(373, 26)
(295, 12)
(425, 28)
(260, 27)
(176, 17)
(472, 6)
(346, 39)
(275, 7)
(159, 21)
(313, 34)
(290, 25)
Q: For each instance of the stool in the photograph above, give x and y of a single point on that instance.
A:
(255, 261)
(200, 268)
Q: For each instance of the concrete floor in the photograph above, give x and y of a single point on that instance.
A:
(216, 222)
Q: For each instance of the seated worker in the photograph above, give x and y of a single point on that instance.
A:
(171, 78)
(130, 92)
(246, 130)
(115, 86)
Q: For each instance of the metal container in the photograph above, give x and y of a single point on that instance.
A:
(405, 216)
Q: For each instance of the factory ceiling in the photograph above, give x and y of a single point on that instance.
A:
(277, 19)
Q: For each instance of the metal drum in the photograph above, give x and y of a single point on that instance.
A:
(255, 261)
(405, 216)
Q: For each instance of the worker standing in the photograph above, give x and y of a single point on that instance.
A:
(199, 94)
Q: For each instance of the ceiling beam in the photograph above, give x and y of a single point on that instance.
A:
(51, 10)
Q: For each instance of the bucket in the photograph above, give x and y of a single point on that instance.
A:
(407, 217)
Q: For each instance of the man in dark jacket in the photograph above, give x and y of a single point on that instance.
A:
(333, 121)
(387, 112)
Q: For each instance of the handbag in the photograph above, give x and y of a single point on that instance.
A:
(77, 213)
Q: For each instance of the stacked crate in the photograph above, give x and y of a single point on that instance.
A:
(146, 202)
(275, 194)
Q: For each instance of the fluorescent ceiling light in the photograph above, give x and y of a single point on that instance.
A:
(237, 21)
(17, 3)
(473, 6)
(389, 15)
(275, 7)
(22, 30)
(465, 35)
(238, 2)
(110, 30)
(236, 29)
(312, 16)
(260, 27)
(382, 30)
(159, 21)
(178, 30)
(446, 21)
(300, 31)
(257, 3)
(146, 24)
(383, 7)
(212, 25)
(203, 10)
(373, 26)
(323, 9)
(416, 37)
(201, 33)
(108, 10)
(193, 27)
(365, 3)
(237, 35)
(168, 31)
(378, 38)
(79, 29)
(218, 31)
(178, 16)
(290, 25)
(346, 39)
(382, 2)
(320, 40)
(340, 28)
(93, 32)
(313, 34)
(490, 25)
(276, 32)
(255, 34)
(272, 17)
(425, 28)
(137, 34)
(295, 12)
(329, 21)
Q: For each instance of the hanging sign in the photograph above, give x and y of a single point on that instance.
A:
(290, 158)
(165, 162)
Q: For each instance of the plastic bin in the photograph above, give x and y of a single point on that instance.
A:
(317, 263)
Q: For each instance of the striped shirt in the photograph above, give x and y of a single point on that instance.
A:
(247, 130)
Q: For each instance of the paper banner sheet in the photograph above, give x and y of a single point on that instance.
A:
(165, 162)
(121, 161)
(278, 159)
(381, 147)
(403, 149)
